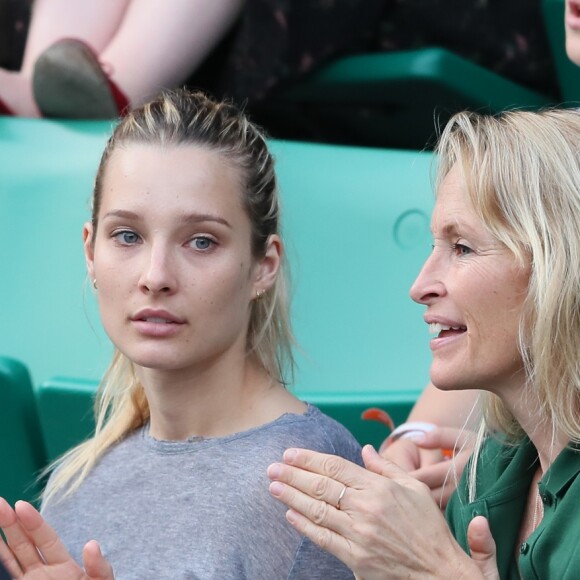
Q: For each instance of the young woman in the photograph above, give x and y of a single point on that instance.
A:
(187, 263)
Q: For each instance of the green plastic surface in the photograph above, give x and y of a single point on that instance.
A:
(568, 73)
(65, 408)
(356, 224)
(22, 452)
(392, 99)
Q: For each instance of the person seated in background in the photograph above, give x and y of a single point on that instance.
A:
(501, 289)
(272, 44)
(186, 259)
(97, 58)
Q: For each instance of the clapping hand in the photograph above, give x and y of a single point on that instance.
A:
(33, 550)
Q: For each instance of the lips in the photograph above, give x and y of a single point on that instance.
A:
(157, 324)
(156, 317)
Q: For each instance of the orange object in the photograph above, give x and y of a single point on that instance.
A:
(375, 414)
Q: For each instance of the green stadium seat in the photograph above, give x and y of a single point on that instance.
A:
(22, 452)
(356, 226)
(390, 99)
(65, 409)
(568, 73)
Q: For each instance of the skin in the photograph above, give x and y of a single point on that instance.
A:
(472, 282)
(34, 551)
(572, 26)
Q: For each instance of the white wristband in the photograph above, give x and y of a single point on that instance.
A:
(411, 429)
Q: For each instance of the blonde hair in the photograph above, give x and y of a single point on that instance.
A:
(522, 173)
(180, 117)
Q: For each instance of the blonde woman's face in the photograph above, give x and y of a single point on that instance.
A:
(474, 291)
(572, 26)
(172, 259)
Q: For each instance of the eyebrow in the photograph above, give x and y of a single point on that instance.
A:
(188, 218)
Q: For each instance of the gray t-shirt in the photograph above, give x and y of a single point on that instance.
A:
(200, 509)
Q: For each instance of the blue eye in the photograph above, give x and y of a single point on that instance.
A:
(461, 249)
(202, 243)
(126, 237)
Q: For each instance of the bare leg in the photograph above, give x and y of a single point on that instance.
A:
(95, 21)
(16, 93)
(159, 44)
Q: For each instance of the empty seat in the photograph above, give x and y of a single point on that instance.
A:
(22, 453)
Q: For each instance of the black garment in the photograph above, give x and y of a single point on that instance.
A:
(14, 19)
(278, 41)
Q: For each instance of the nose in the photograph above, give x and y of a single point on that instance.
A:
(158, 273)
(428, 286)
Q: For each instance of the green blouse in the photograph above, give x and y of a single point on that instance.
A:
(505, 473)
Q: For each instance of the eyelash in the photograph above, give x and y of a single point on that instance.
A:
(117, 236)
(212, 243)
(461, 249)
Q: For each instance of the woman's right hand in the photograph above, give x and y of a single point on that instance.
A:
(35, 552)
(422, 458)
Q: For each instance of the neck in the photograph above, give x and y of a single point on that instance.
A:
(213, 402)
(540, 429)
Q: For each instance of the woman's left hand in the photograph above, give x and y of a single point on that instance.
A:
(35, 552)
(379, 521)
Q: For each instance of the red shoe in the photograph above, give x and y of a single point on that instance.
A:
(5, 110)
(70, 82)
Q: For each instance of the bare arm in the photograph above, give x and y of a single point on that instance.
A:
(456, 415)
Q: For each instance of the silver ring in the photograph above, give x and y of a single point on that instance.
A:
(340, 497)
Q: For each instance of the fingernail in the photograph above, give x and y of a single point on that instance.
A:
(290, 455)
(276, 488)
(291, 516)
(274, 471)
(418, 439)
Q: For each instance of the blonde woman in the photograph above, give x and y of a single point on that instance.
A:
(501, 290)
(447, 419)
(186, 259)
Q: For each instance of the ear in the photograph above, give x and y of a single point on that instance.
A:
(89, 249)
(267, 268)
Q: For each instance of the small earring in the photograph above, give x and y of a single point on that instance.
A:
(260, 293)
(95, 283)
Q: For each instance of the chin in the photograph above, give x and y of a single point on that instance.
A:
(573, 49)
(446, 380)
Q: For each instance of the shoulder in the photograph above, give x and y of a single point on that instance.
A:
(319, 432)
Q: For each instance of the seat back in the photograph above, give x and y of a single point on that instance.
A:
(391, 99)
(65, 409)
(22, 454)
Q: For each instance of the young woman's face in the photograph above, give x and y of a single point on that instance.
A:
(171, 257)
(474, 292)
(572, 25)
